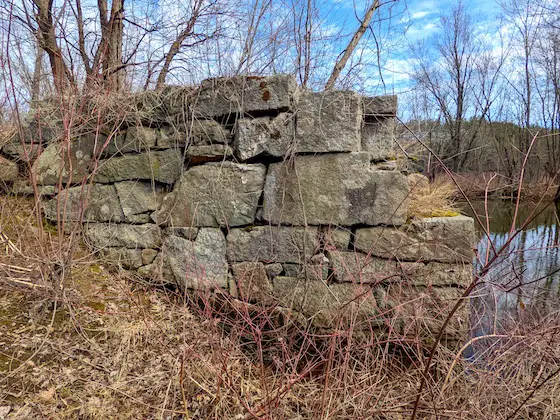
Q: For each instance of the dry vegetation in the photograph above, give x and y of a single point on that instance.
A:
(107, 346)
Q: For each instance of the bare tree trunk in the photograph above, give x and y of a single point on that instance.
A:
(341, 63)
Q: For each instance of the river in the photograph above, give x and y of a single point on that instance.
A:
(523, 282)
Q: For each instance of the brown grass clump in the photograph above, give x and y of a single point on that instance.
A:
(431, 199)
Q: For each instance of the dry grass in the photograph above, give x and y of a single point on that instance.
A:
(431, 199)
(106, 346)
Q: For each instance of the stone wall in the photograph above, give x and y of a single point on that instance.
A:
(271, 193)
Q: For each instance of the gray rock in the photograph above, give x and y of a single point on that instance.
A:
(273, 136)
(22, 187)
(148, 256)
(378, 138)
(329, 122)
(139, 219)
(130, 259)
(56, 163)
(8, 170)
(103, 235)
(135, 139)
(162, 166)
(336, 238)
(437, 274)
(270, 244)
(444, 239)
(244, 94)
(182, 232)
(200, 264)
(22, 153)
(325, 305)
(273, 270)
(307, 271)
(250, 282)
(376, 107)
(98, 203)
(337, 189)
(215, 194)
(355, 267)
(419, 311)
(195, 132)
(138, 197)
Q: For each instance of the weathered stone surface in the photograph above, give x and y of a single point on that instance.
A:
(419, 311)
(182, 232)
(444, 239)
(20, 152)
(103, 235)
(135, 139)
(324, 304)
(148, 256)
(244, 94)
(274, 269)
(23, 187)
(95, 202)
(195, 133)
(269, 244)
(208, 153)
(329, 122)
(336, 238)
(437, 274)
(250, 282)
(57, 163)
(339, 189)
(138, 197)
(273, 136)
(215, 194)
(200, 264)
(8, 170)
(376, 107)
(130, 259)
(378, 138)
(307, 271)
(356, 267)
(417, 181)
(162, 166)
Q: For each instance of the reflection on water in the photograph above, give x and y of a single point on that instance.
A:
(525, 279)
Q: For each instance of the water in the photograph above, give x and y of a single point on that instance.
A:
(523, 282)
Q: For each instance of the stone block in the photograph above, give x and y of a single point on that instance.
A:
(182, 232)
(138, 197)
(437, 274)
(328, 122)
(163, 166)
(376, 107)
(56, 162)
(22, 152)
(97, 203)
(420, 311)
(200, 264)
(337, 189)
(250, 282)
(8, 170)
(272, 244)
(272, 136)
(215, 194)
(104, 235)
(274, 269)
(355, 267)
(378, 138)
(130, 259)
(135, 139)
(148, 256)
(244, 95)
(328, 306)
(443, 239)
(336, 238)
(195, 132)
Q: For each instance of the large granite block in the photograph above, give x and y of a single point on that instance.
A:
(107, 235)
(215, 194)
(444, 239)
(337, 189)
(270, 244)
